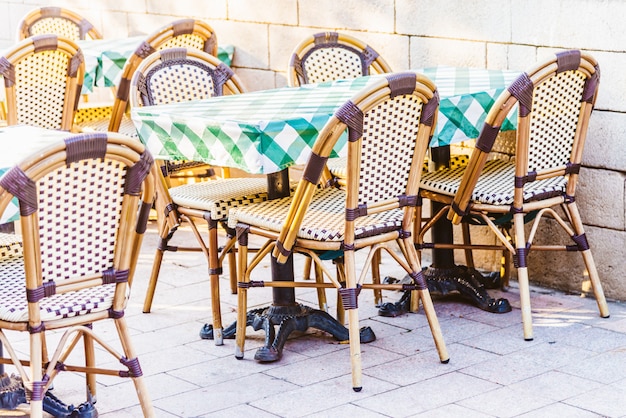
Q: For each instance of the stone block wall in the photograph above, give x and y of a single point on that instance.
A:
(417, 33)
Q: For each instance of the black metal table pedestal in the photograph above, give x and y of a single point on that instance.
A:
(289, 316)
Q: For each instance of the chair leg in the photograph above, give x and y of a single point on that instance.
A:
(321, 292)
(242, 296)
(378, 294)
(433, 323)
(341, 311)
(355, 349)
(349, 296)
(522, 275)
(138, 381)
(90, 362)
(467, 240)
(594, 278)
(165, 236)
(214, 278)
(36, 371)
(232, 270)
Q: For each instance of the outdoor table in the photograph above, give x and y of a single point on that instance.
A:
(265, 132)
(105, 59)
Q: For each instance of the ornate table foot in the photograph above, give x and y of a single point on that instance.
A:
(288, 319)
(469, 283)
(12, 394)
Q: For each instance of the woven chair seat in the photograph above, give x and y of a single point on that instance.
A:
(218, 196)
(337, 166)
(324, 219)
(10, 246)
(495, 186)
(14, 307)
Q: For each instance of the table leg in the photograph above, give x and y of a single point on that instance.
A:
(444, 276)
(284, 311)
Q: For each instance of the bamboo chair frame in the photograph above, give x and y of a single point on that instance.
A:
(286, 240)
(530, 94)
(113, 153)
(157, 80)
(59, 21)
(42, 67)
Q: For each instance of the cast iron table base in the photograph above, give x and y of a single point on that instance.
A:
(469, 283)
(12, 394)
(288, 318)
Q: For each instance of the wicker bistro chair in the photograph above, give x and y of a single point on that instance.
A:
(389, 127)
(57, 21)
(183, 74)
(43, 77)
(84, 204)
(330, 56)
(188, 33)
(554, 102)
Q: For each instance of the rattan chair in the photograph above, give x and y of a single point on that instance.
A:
(183, 74)
(554, 102)
(188, 33)
(43, 77)
(330, 56)
(389, 128)
(84, 204)
(57, 21)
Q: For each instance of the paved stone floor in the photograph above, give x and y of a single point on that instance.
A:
(574, 367)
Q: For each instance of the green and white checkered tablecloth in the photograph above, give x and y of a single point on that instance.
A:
(266, 131)
(105, 59)
(24, 141)
(466, 96)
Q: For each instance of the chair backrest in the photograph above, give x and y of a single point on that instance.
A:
(84, 205)
(43, 78)
(554, 101)
(390, 124)
(57, 21)
(181, 74)
(188, 33)
(329, 56)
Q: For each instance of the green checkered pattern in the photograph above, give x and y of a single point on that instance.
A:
(260, 132)
(466, 95)
(266, 131)
(105, 59)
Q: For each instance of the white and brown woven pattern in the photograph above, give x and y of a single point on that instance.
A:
(332, 63)
(10, 246)
(41, 78)
(389, 132)
(218, 196)
(59, 21)
(333, 56)
(88, 247)
(554, 120)
(496, 185)
(14, 307)
(324, 219)
(181, 81)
